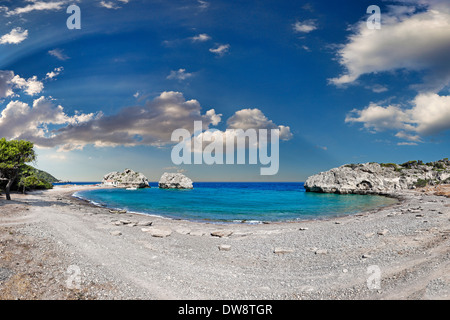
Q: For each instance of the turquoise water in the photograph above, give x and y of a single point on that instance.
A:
(235, 202)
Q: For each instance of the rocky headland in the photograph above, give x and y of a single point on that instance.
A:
(126, 179)
(382, 179)
(175, 181)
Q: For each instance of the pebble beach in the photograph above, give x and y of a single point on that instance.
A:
(54, 246)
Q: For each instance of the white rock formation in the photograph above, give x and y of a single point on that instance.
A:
(126, 179)
(373, 178)
(175, 181)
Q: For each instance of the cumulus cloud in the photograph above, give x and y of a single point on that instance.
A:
(201, 38)
(429, 115)
(5, 83)
(179, 74)
(10, 82)
(32, 86)
(151, 124)
(36, 5)
(220, 50)
(109, 5)
(255, 119)
(304, 26)
(20, 121)
(16, 36)
(59, 54)
(239, 125)
(411, 39)
(53, 74)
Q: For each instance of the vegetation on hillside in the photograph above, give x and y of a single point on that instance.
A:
(15, 174)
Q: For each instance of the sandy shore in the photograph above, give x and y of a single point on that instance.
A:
(53, 246)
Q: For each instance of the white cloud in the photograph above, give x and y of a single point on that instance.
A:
(377, 88)
(59, 54)
(53, 74)
(5, 83)
(408, 39)
(16, 36)
(9, 82)
(36, 5)
(255, 119)
(109, 5)
(407, 144)
(151, 124)
(32, 86)
(112, 4)
(220, 50)
(429, 115)
(378, 118)
(305, 26)
(180, 75)
(203, 4)
(409, 137)
(20, 121)
(201, 38)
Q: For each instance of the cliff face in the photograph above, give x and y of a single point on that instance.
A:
(375, 178)
(126, 179)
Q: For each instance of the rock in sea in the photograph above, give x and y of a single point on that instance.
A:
(126, 179)
(175, 181)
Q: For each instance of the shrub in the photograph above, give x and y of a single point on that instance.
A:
(420, 183)
(389, 165)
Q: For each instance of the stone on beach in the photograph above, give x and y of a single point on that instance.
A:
(116, 233)
(158, 232)
(197, 233)
(221, 233)
(144, 223)
(182, 230)
(282, 250)
(224, 247)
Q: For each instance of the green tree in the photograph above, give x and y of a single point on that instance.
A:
(13, 156)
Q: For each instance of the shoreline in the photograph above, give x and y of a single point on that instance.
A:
(46, 232)
(399, 197)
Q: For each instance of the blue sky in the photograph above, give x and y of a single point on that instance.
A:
(107, 97)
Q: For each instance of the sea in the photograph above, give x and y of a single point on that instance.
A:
(234, 202)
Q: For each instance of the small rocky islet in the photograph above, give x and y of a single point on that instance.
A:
(132, 179)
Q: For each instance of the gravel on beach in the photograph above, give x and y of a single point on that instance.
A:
(53, 246)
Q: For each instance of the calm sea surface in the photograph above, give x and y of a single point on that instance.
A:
(235, 202)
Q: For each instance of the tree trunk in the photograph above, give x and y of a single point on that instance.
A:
(8, 186)
(7, 189)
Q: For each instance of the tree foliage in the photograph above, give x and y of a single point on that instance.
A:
(13, 156)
